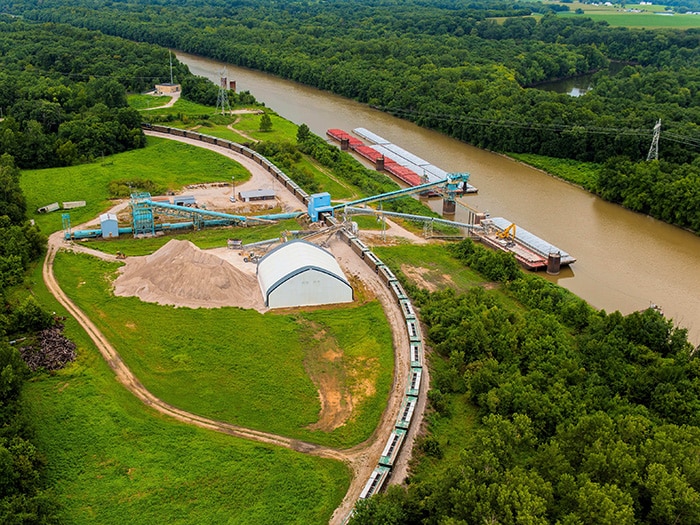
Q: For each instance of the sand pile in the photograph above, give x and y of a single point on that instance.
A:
(181, 274)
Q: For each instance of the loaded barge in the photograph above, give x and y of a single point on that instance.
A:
(529, 250)
(402, 164)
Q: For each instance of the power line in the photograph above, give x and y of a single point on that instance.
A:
(552, 127)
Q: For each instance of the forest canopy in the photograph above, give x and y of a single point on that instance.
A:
(63, 92)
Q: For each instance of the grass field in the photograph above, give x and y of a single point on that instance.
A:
(650, 16)
(147, 101)
(429, 266)
(168, 163)
(112, 460)
(238, 365)
(245, 128)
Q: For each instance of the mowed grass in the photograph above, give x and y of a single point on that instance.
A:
(112, 460)
(232, 364)
(168, 163)
(147, 101)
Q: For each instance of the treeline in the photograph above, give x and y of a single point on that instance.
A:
(24, 496)
(443, 65)
(583, 416)
(666, 191)
(63, 92)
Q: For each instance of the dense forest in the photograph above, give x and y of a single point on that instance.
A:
(585, 417)
(63, 92)
(464, 68)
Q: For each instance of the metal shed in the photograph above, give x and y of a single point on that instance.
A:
(256, 195)
(299, 273)
(109, 225)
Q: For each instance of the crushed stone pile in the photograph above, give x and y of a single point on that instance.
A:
(181, 274)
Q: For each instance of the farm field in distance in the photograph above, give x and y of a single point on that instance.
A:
(635, 15)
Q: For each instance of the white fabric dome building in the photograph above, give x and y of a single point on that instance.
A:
(299, 273)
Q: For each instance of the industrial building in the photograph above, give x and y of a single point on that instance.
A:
(109, 225)
(299, 273)
(256, 195)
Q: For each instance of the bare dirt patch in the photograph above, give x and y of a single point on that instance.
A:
(342, 383)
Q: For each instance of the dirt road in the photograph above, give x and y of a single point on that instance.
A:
(363, 458)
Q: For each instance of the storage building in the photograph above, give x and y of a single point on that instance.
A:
(299, 273)
(109, 225)
(256, 195)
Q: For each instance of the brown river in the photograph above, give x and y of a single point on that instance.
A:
(625, 261)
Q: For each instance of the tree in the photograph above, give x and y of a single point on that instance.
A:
(12, 201)
(265, 122)
(303, 133)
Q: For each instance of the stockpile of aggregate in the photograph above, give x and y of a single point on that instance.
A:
(181, 274)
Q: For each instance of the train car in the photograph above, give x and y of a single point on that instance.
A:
(413, 329)
(408, 406)
(392, 448)
(359, 247)
(407, 309)
(376, 481)
(159, 129)
(416, 352)
(414, 377)
(386, 275)
(208, 138)
(193, 135)
(373, 261)
(397, 290)
(177, 132)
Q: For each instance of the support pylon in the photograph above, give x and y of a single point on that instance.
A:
(654, 149)
(222, 99)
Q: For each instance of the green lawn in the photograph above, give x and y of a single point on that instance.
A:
(237, 365)
(282, 129)
(168, 163)
(112, 460)
(147, 101)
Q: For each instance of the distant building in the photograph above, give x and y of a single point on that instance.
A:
(167, 88)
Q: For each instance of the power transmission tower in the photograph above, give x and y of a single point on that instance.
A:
(654, 149)
(222, 99)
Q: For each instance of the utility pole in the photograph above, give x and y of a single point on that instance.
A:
(654, 149)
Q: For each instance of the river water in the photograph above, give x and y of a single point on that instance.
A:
(625, 260)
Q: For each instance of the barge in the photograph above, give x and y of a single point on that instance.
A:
(405, 166)
(530, 251)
